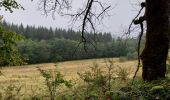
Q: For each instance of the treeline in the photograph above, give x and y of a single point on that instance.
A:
(43, 33)
(47, 45)
(62, 49)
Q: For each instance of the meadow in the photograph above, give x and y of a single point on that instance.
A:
(28, 83)
(28, 79)
(69, 69)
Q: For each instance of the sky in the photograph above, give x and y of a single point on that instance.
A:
(120, 16)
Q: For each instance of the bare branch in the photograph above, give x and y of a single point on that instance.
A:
(87, 14)
(54, 6)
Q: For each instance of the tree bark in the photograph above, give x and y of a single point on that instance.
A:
(155, 53)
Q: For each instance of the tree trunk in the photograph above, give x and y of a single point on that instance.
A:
(155, 53)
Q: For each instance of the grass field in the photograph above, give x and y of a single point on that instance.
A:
(68, 68)
(29, 77)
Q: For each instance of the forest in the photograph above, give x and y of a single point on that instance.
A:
(42, 45)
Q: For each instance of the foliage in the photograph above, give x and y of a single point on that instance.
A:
(122, 73)
(98, 82)
(43, 33)
(53, 80)
(64, 49)
(9, 54)
(10, 5)
(131, 56)
(139, 90)
(51, 45)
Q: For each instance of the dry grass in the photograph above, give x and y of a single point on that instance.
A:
(30, 76)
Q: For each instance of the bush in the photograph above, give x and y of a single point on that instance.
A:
(53, 80)
(97, 81)
(122, 73)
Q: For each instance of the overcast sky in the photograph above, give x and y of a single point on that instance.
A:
(122, 15)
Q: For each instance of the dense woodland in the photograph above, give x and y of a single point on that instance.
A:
(48, 45)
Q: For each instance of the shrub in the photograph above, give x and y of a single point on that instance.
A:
(97, 80)
(122, 73)
(53, 80)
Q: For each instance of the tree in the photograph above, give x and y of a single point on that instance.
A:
(9, 54)
(155, 53)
